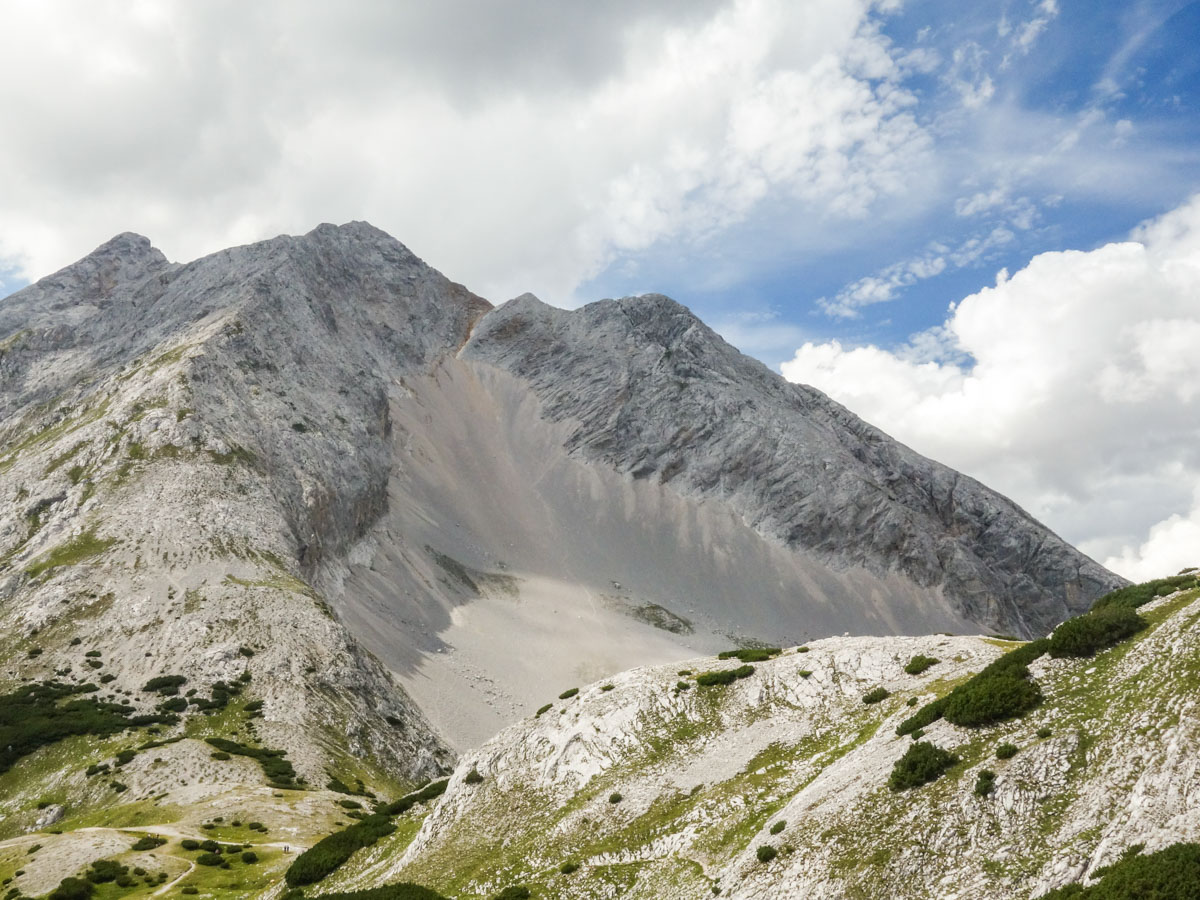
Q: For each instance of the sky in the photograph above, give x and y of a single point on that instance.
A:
(976, 225)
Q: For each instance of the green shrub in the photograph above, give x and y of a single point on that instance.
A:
(919, 664)
(922, 763)
(403, 891)
(878, 695)
(988, 700)
(681, 686)
(1085, 635)
(148, 842)
(1170, 874)
(220, 755)
(125, 756)
(926, 715)
(189, 889)
(1006, 751)
(568, 868)
(912, 701)
(274, 763)
(608, 687)
(209, 859)
(614, 798)
(404, 804)
(568, 694)
(1003, 690)
(711, 679)
(72, 889)
(751, 654)
(804, 673)
(543, 709)
(1044, 732)
(1136, 595)
(93, 654)
(778, 826)
(350, 804)
(164, 684)
(174, 705)
(330, 852)
(766, 853)
(986, 783)
(516, 892)
(724, 676)
(473, 777)
(39, 714)
(249, 856)
(103, 871)
(190, 844)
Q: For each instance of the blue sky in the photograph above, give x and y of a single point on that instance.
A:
(1091, 130)
(973, 224)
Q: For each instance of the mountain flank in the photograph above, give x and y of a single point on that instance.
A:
(297, 522)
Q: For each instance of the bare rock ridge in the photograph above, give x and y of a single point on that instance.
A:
(320, 447)
(653, 392)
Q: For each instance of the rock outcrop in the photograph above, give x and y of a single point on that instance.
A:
(639, 788)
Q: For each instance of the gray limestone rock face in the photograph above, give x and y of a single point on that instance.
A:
(651, 391)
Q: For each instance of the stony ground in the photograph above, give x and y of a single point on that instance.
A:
(705, 774)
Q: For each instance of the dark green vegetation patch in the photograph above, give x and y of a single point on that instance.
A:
(431, 791)
(985, 783)
(724, 676)
(403, 891)
(1138, 595)
(1094, 631)
(1003, 690)
(164, 684)
(751, 654)
(876, 696)
(922, 763)
(40, 714)
(274, 763)
(331, 852)
(1169, 874)
(919, 664)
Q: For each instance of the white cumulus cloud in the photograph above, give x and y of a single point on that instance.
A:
(1072, 386)
(518, 146)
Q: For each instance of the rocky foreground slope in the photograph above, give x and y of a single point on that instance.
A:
(640, 788)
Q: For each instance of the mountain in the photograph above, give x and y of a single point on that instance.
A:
(296, 522)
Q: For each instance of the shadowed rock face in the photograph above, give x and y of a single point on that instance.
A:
(494, 502)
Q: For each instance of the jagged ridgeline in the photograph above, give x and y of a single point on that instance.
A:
(284, 528)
